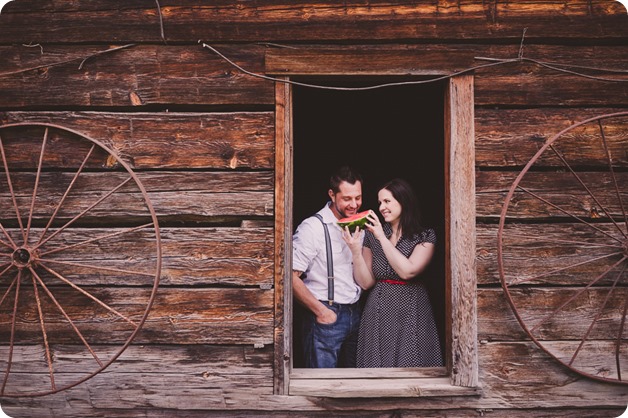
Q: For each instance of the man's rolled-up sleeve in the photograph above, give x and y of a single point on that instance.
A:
(304, 246)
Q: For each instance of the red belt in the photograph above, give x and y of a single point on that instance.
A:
(394, 281)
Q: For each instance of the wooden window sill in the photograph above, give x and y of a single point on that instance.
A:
(375, 383)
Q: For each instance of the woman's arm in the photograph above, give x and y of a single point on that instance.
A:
(362, 258)
(408, 268)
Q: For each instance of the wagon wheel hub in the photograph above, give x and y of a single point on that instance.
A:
(23, 257)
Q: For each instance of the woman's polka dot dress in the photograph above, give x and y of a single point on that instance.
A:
(397, 327)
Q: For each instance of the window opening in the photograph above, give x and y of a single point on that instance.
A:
(457, 202)
(388, 132)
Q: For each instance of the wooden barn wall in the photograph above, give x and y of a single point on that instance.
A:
(200, 135)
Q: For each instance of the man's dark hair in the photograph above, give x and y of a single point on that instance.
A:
(344, 173)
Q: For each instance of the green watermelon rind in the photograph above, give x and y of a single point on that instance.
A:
(355, 223)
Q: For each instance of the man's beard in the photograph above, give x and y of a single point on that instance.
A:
(343, 214)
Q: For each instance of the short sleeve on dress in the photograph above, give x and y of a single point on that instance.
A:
(429, 235)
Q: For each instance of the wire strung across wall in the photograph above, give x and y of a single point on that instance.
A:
(565, 68)
(492, 62)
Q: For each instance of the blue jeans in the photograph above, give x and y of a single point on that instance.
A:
(331, 345)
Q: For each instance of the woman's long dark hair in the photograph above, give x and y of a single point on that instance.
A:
(410, 211)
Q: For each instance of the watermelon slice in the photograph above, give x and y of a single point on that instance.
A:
(359, 219)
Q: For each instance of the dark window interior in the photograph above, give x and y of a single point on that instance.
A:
(384, 133)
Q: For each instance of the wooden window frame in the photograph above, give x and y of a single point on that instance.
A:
(460, 376)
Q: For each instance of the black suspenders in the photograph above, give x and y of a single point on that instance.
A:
(330, 261)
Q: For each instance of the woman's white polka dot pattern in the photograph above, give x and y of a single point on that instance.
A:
(398, 327)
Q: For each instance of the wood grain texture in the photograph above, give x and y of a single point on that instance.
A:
(511, 137)
(460, 215)
(283, 238)
(226, 21)
(533, 251)
(557, 195)
(519, 367)
(497, 322)
(212, 146)
(131, 77)
(183, 76)
(190, 256)
(178, 316)
(238, 140)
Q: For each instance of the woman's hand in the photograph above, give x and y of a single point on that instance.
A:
(354, 241)
(362, 258)
(375, 226)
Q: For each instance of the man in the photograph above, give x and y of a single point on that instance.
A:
(330, 320)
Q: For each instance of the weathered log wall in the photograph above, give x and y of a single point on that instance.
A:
(200, 134)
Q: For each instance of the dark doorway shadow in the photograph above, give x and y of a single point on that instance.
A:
(384, 133)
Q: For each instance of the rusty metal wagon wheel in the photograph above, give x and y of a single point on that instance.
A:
(563, 248)
(80, 258)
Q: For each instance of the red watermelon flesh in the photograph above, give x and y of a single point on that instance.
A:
(353, 221)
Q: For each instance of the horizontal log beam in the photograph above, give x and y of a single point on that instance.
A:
(189, 256)
(438, 59)
(287, 21)
(558, 195)
(534, 251)
(244, 316)
(131, 77)
(517, 378)
(236, 360)
(528, 83)
(184, 196)
(168, 76)
(511, 137)
(126, 207)
(178, 316)
(496, 321)
(242, 140)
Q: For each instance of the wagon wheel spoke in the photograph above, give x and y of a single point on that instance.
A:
(16, 282)
(579, 219)
(565, 241)
(5, 264)
(549, 273)
(6, 244)
(619, 334)
(65, 194)
(44, 334)
(35, 187)
(585, 187)
(92, 240)
(92, 206)
(11, 244)
(597, 317)
(579, 237)
(96, 267)
(613, 176)
(89, 295)
(65, 314)
(575, 295)
(8, 291)
(72, 259)
(10, 186)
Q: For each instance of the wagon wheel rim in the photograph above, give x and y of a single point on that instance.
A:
(32, 260)
(609, 240)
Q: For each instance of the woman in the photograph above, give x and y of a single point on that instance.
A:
(397, 328)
